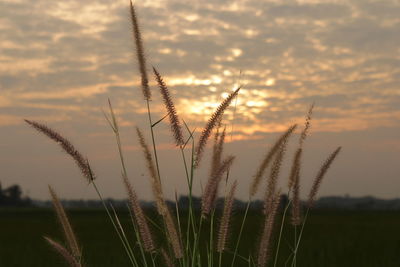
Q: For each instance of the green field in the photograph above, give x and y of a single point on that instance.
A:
(331, 238)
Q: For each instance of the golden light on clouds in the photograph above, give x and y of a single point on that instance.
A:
(93, 17)
(78, 93)
(237, 52)
(61, 60)
(191, 17)
(203, 108)
(193, 80)
(270, 82)
(33, 66)
(252, 103)
(281, 54)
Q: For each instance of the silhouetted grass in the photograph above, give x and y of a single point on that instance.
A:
(189, 240)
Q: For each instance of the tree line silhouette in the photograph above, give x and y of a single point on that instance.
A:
(12, 196)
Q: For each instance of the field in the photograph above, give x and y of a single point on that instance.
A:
(331, 238)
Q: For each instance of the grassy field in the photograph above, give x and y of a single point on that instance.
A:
(331, 238)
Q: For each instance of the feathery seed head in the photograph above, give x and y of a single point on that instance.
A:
(66, 226)
(307, 126)
(137, 36)
(296, 216)
(167, 259)
(295, 167)
(175, 124)
(67, 147)
(268, 158)
(226, 218)
(211, 191)
(173, 234)
(321, 173)
(217, 151)
(137, 211)
(72, 262)
(265, 242)
(294, 186)
(155, 180)
(212, 122)
(273, 178)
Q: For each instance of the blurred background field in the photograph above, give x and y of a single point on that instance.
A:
(331, 238)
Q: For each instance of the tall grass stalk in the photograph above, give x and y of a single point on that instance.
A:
(162, 240)
(312, 195)
(86, 170)
(278, 245)
(60, 249)
(240, 232)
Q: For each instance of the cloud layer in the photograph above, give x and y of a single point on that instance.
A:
(60, 61)
(67, 57)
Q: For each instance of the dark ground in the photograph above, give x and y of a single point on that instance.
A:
(331, 238)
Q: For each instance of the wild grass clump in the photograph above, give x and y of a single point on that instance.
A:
(206, 239)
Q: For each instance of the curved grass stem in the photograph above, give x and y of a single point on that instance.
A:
(240, 232)
(281, 232)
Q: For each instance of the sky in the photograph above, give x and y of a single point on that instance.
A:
(60, 62)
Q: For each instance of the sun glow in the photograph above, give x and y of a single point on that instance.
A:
(270, 82)
(192, 80)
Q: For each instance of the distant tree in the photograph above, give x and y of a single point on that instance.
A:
(14, 193)
(1, 194)
(12, 196)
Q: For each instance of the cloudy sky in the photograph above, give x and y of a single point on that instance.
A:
(61, 60)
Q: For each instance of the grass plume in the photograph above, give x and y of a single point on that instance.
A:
(273, 177)
(226, 218)
(295, 179)
(307, 126)
(268, 158)
(139, 216)
(167, 259)
(295, 169)
(66, 225)
(266, 236)
(137, 36)
(321, 173)
(218, 149)
(212, 122)
(155, 180)
(173, 235)
(67, 146)
(72, 262)
(188, 247)
(176, 127)
(210, 192)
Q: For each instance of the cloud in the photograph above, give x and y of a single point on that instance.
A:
(340, 54)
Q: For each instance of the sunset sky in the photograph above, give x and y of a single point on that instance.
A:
(61, 60)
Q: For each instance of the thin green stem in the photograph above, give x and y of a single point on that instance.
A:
(126, 239)
(211, 263)
(196, 240)
(190, 208)
(153, 139)
(240, 232)
(189, 180)
(300, 235)
(155, 152)
(281, 231)
(191, 186)
(295, 242)
(126, 246)
(115, 128)
(179, 227)
(139, 240)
